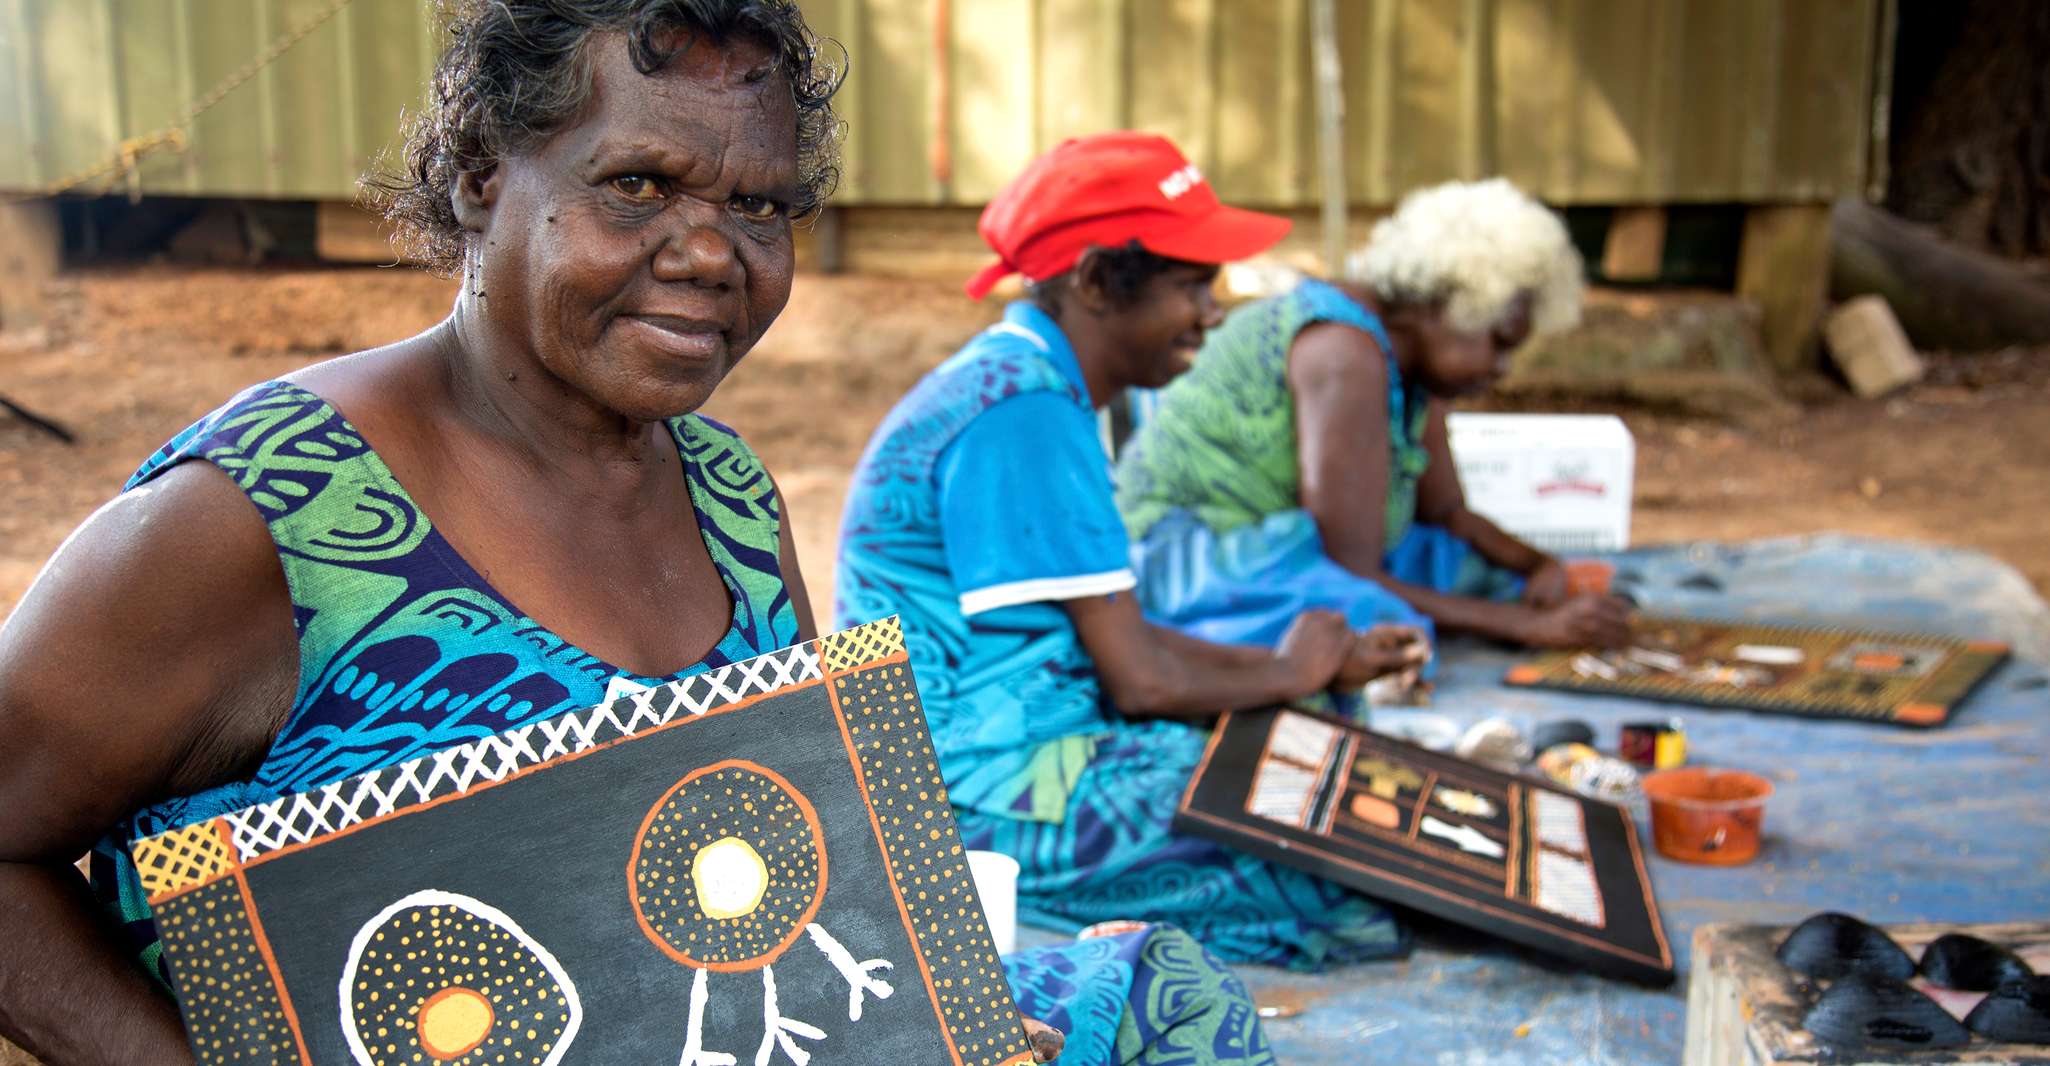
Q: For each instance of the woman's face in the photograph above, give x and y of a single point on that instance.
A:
(1160, 332)
(1460, 362)
(638, 255)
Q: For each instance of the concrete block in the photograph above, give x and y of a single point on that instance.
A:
(1871, 348)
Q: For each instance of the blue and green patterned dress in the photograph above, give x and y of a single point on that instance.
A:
(405, 650)
(1210, 489)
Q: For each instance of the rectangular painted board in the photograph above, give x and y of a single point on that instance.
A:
(1506, 855)
(1818, 672)
(755, 864)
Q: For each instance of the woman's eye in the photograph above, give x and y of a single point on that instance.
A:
(637, 187)
(757, 208)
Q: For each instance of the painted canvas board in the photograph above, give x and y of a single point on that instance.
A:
(1510, 856)
(756, 864)
(1819, 672)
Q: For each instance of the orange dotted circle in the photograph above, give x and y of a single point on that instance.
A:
(740, 799)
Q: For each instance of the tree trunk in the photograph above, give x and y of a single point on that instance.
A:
(1946, 296)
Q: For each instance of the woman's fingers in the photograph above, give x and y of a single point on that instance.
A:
(1046, 1040)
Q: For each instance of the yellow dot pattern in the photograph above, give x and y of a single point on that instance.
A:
(181, 858)
(861, 645)
(731, 801)
(232, 1010)
(909, 797)
(422, 951)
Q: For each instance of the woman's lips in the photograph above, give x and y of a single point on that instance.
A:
(681, 336)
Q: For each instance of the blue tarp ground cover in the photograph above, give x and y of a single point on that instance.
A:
(1891, 824)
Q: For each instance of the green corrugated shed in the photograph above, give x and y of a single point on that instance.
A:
(1582, 101)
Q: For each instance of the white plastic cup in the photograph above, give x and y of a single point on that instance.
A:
(996, 882)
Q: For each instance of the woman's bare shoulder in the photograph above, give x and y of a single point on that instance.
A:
(1337, 353)
(154, 655)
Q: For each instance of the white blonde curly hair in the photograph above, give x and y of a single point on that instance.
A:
(1474, 246)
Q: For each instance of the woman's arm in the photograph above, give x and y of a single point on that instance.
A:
(1152, 671)
(154, 656)
(1442, 502)
(1338, 378)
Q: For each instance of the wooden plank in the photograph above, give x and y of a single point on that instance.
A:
(890, 104)
(1531, 119)
(74, 90)
(1256, 79)
(1827, 56)
(1610, 110)
(1430, 131)
(1080, 86)
(229, 142)
(1783, 267)
(391, 83)
(153, 81)
(1635, 245)
(1174, 84)
(993, 99)
(310, 152)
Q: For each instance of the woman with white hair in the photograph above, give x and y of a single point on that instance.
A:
(1303, 461)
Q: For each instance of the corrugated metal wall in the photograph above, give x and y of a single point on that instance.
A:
(1583, 101)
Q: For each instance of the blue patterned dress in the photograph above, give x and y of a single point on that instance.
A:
(984, 501)
(405, 650)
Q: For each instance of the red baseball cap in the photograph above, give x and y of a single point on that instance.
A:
(1111, 189)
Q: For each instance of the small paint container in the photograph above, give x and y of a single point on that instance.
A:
(1653, 745)
(1588, 576)
(1712, 817)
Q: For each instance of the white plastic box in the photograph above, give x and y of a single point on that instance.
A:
(1560, 482)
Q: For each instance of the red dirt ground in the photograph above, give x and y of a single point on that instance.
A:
(139, 352)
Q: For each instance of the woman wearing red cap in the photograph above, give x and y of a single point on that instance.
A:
(1304, 461)
(982, 512)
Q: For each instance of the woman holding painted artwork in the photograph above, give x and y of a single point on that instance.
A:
(318, 580)
(1303, 462)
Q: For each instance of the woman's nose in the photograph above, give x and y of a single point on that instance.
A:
(698, 252)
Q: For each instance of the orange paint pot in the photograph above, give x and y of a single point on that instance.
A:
(1707, 816)
(1584, 576)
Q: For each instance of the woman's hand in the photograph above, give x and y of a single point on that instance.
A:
(1317, 645)
(1584, 621)
(1046, 1040)
(1383, 650)
(1548, 585)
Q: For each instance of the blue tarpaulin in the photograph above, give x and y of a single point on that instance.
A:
(1888, 823)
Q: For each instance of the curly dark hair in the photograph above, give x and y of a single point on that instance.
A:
(1122, 272)
(517, 71)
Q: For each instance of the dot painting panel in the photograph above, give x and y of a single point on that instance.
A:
(1814, 671)
(887, 724)
(224, 985)
(756, 865)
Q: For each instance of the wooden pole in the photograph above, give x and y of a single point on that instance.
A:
(1330, 130)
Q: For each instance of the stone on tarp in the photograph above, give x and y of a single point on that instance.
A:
(1871, 348)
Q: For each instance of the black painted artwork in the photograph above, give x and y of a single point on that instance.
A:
(756, 864)
(1898, 679)
(1539, 866)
